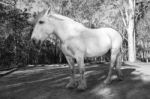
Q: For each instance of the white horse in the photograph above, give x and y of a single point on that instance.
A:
(78, 42)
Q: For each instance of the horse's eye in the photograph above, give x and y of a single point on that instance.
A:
(41, 22)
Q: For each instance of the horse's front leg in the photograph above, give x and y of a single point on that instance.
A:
(72, 83)
(82, 81)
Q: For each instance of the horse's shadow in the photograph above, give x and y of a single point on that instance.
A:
(96, 75)
(94, 80)
(96, 88)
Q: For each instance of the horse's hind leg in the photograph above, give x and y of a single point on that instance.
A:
(72, 83)
(118, 67)
(114, 53)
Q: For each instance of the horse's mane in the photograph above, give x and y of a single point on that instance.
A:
(64, 18)
(61, 17)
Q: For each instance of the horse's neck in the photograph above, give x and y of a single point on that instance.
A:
(68, 30)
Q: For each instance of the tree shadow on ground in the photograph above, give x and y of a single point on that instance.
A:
(8, 72)
(50, 84)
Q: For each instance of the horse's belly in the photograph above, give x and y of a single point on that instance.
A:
(95, 53)
(97, 50)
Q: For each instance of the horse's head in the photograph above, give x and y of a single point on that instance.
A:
(43, 28)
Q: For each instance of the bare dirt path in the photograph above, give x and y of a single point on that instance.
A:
(49, 83)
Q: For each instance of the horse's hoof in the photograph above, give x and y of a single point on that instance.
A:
(81, 88)
(71, 85)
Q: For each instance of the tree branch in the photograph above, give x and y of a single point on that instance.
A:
(122, 14)
(123, 18)
(4, 4)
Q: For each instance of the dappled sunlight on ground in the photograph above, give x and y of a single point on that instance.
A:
(46, 82)
(104, 92)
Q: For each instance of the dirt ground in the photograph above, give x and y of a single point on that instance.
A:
(47, 82)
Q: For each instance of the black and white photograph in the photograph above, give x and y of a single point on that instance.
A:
(74, 49)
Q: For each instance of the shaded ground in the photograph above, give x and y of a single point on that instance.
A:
(49, 83)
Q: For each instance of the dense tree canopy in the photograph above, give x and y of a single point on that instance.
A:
(16, 17)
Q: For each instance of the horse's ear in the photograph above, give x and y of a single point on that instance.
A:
(48, 11)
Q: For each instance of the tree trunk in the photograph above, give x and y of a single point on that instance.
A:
(131, 42)
(131, 33)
